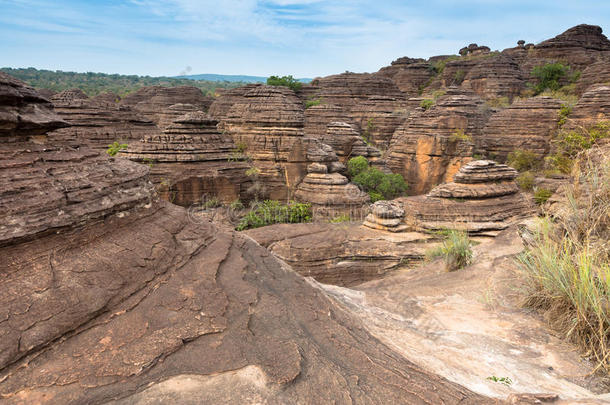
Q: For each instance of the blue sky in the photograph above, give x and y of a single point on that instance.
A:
(305, 38)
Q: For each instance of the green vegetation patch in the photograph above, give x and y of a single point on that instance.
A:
(456, 250)
(271, 212)
(286, 81)
(379, 185)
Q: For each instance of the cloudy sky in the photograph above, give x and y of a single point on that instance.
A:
(305, 38)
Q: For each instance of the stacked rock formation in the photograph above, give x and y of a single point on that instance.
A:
(96, 124)
(268, 122)
(349, 89)
(431, 145)
(591, 108)
(107, 97)
(223, 103)
(192, 161)
(329, 192)
(171, 113)
(410, 75)
(386, 216)
(150, 101)
(105, 298)
(474, 50)
(378, 117)
(597, 73)
(347, 142)
(528, 124)
(318, 117)
(483, 198)
(494, 77)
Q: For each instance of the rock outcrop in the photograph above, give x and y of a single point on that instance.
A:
(386, 216)
(329, 192)
(527, 124)
(597, 73)
(591, 108)
(151, 100)
(431, 145)
(192, 161)
(110, 295)
(378, 117)
(410, 75)
(268, 123)
(223, 103)
(483, 198)
(494, 77)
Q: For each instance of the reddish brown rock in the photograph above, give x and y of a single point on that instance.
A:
(410, 75)
(119, 301)
(430, 147)
(593, 107)
(192, 161)
(483, 198)
(150, 101)
(527, 124)
(494, 77)
(268, 122)
(223, 103)
(107, 97)
(171, 113)
(378, 117)
(597, 73)
(46, 93)
(318, 117)
(386, 216)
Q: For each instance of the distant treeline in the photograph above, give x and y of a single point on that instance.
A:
(95, 83)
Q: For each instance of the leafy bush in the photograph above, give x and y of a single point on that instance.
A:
(456, 250)
(115, 148)
(460, 135)
(548, 76)
(274, 212)
(541, 195)
(567, 264)
(564, 112)
(525, 180)
(569, 143)
(523, 160)
(426, 104)
(379, 185)
(286, 81)
(312, 102)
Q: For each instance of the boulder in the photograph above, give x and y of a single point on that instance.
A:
(386, 216)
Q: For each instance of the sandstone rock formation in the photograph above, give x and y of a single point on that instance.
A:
(591, 108)
(494, 77)
(223, 103)
(345, 254)
(378, 117)
(386, 216)
(329, 192)
(527, 124)
(268, 122)
(410, 75)
(433, 144)
(151, 100)
(167, 116)
(107, 97)
(192, 161)
(111, 295)
(97, 123)
(483, 198)
(597, 73)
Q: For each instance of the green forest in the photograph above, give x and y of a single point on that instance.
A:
(95, 83)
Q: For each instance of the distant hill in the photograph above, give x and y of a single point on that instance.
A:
(95, 83)
(231, 78)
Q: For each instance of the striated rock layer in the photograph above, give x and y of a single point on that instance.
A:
(192, 161)
(125, 302)
(483, 198)
(525, 125)
(433, 144)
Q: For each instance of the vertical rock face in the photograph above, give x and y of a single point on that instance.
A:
(378, 118)
(149, 101)
(431, 145)
(483, 198)
(526, 125)
(493, 77)
(268, 122)
(97, 307)
(192, 161)
(329, 192)
(349, 89)
(410, 75)
(593, 106)
(318, 117)
(597, 73)
(348, 143)
(97, 123)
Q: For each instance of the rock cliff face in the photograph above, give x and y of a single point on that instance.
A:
(593, 107)
(525, 125)
(192, 161)
(223, 103)
(597, 73)
(410, 75)
(431, 145)
(494, 77)
(110, 295)
(483, 198)
(150, 101)
(96, 123)
(349, 89)
(378, 117)
(268, 123)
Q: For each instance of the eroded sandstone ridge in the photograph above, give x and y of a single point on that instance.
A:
(483, 198)
(128, 295)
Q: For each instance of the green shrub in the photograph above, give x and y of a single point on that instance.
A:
(274, 212)
(524, 160)
(286, 81)
(212, 202)
(366, 134)
(115, 148)
(340, 218)
(564, 112)
(379, 185)
(312, 102)
(426, 104)
(356, 165)
(569, 143)
(236, 205)
(541, 195)
(526, 180)
(548, 76)
(460, 135)
(456, 250)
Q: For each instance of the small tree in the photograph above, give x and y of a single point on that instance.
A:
(548, 76)
(286, 81)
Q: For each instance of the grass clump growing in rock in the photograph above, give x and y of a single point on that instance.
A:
(566, 265)
(426, 104)
(563, 114)
(271, 212)
(456, 250)
(379, 185)
(312, 102)
(526, 180)
(460, 135)
(115, 147)
(541, 195)
(523, 160)
(286, 81)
